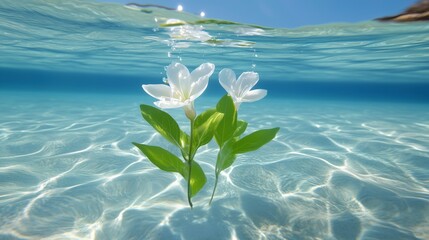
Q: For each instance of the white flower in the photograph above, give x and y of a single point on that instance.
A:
(239, 89)
(183, 87)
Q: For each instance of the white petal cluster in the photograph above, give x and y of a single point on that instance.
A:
(183, 87)
(239, 89)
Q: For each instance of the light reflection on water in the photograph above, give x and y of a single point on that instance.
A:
(337, 170)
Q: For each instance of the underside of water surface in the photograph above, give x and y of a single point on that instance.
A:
(351, 159)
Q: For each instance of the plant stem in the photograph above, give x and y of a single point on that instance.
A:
(214, 189)
(191, 157)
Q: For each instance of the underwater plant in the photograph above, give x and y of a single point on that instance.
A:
(181, 89)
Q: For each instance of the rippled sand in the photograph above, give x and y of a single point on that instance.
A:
(337, 170)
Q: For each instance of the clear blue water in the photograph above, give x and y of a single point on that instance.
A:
(351, 160)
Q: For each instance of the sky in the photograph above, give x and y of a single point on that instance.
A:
(286, 13)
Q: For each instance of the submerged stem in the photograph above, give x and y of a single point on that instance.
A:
(214, 189)
(191, 157)
(189, 183)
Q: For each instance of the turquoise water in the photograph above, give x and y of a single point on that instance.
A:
(351, 159)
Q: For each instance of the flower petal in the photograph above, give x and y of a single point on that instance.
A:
(199, 87)
(245, 82)
(157, 90)
(200, 77)
(170, 103)
(204, 70)
(186, 87)
(177, 75)
(254, 95)
(226, 79)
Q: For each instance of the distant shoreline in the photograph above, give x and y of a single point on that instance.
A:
(417, 12)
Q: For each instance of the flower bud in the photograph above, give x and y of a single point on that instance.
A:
(190, 111)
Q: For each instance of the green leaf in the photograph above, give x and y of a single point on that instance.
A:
(184, 145)
(225, 157)
(203, 117)
(163, 123)
(254, 140)
(198, 178)
(169, 162)
(204, 132)
(241, 127)
(228, 124)
(162, 158)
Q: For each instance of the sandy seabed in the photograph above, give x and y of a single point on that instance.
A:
(337, 170)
